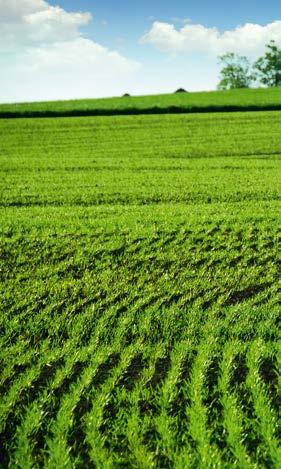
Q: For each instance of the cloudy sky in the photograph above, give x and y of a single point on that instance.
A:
(91, 48)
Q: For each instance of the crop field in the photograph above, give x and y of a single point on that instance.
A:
(140, 291)
(210, 101)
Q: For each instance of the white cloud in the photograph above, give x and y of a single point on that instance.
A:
(55, 24)
(67, 70)
(79, 53)
(43, 55)
(13, 10)
(35, 21)
(195, 38)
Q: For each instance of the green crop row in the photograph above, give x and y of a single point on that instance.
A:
(84, 162)
(139, 291)
(168, 388)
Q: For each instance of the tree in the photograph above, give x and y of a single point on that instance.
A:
(268, 67)
(236, 72)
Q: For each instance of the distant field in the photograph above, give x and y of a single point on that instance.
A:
(139, 270)
(214, 101)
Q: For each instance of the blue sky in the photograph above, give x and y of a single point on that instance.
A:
(127, 20)
(224, 14)
(66, 49)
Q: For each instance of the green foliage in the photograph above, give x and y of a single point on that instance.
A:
(268, 67)
(228, 100)
(236, 72)
(139, 291)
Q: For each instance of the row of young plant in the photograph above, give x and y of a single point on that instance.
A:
(178, 159)
(203, 395)
(114, 355)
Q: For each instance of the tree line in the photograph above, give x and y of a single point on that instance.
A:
(239, 72)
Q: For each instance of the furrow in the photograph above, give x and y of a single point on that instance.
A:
(233, 417)
(205, 453)
(265, 417)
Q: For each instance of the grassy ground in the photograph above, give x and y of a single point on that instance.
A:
(234, 100)
(139, 291)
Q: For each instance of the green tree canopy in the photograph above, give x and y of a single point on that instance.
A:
(268, 67)
(236, 72)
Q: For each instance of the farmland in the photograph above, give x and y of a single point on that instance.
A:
(259, 99)
(140, 311)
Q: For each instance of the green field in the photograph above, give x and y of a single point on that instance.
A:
(210, 101)
(140, 311)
